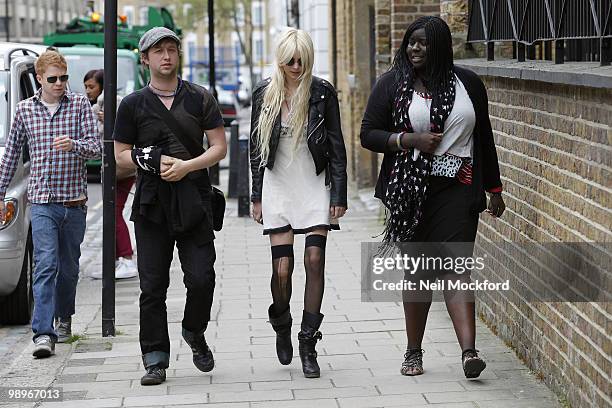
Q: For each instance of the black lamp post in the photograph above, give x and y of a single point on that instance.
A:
(108, 168)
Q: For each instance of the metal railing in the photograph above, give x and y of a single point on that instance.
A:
(579, 30)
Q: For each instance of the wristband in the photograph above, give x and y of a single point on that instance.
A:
(398, 141)
(147, 158)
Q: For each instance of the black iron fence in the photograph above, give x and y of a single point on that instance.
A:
(572, 30)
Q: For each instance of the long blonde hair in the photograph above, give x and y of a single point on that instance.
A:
(291, 42)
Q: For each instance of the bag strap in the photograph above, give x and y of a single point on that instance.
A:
(188, 142)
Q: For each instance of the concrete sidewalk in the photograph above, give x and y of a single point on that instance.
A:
(360, 354)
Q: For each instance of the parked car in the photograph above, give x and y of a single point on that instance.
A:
(243, 95)
(17, 82)
(228, 104)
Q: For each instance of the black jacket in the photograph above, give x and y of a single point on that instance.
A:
(377, 126)
(324, 136)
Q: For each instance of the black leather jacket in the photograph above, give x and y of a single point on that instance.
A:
(324, 137)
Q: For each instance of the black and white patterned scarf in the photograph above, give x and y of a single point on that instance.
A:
(407, 189)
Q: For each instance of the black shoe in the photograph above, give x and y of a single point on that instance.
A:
(472, 364)
(282, 326)
(413, 362)
(154, 376)
(308, 337)
(202, 356)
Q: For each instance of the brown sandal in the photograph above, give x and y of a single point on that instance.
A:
(413, 362)
(473, 365)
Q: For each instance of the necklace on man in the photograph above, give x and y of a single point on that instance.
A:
(153, 88)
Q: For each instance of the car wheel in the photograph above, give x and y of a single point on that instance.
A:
(17, 307)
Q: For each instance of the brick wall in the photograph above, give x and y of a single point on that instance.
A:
(553, 143)
(357, 68)
(392, 19)
(355, 73)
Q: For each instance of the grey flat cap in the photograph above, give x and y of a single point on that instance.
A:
(155, 35)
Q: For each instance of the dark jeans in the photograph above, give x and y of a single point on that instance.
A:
(155, 252)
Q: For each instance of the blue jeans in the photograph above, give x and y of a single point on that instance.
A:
(57, 234)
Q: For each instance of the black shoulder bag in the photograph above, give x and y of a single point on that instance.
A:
(195, 149)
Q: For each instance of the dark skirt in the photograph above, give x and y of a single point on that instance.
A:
(447, 216)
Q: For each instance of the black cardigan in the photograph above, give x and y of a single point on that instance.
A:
(377, 127)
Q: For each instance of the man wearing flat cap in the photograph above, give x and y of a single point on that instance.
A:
(159, 131)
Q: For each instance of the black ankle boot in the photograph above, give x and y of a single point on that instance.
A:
(282, 326)
(202, 355)
(308, 337)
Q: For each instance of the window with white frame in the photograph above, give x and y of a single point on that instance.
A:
(257, 14)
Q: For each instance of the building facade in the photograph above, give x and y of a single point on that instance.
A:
(314, 18)
(28, 21)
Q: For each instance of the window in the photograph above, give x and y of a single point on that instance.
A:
(78, 65)
(240, 15)
(257, 15)
(258, 50)
(4, 105)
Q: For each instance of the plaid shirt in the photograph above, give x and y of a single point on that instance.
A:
(55, 176)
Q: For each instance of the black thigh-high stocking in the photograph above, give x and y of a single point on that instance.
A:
(282, 270)
(314, 263)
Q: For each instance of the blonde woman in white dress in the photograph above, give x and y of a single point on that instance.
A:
(298, 168)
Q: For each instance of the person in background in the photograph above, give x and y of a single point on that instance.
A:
(125, 265)
(94, 84)
(61, 132)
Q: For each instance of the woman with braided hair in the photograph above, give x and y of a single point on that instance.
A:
(430, 119)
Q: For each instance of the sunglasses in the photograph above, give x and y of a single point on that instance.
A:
(53, 79)
(292, 62)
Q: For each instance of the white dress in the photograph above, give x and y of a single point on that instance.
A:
(293, 197)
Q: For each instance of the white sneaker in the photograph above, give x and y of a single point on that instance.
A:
(125, 269)
(44, 347)
(129, 262)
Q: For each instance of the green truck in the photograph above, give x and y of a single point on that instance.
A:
(82, 43)
(90, 30)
